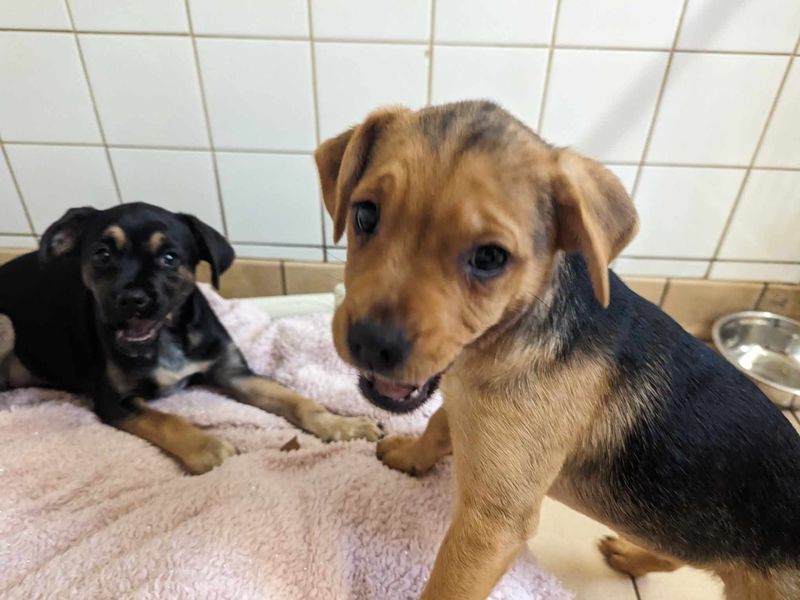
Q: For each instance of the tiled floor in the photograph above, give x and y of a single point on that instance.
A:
(566, 545)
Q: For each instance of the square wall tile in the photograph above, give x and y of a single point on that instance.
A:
(166, 16)
(327, 223)
(781, 299)
(656, 267)
(355, 79)
(336, 255)
(625, 173)
(146, 89)
(512, 77)
(35, 69)
(34, 14)
(618, 23)
(311, 278)
(404, 20)
(697, 304)
(748, 25)
(271, 198)
(602, 101)
(683, 210)
(781, 145)
(765, 224)
(755, 271)
(178, 181)
(15, 241)
(53, 179)
(277, 252)
(500, 21)
(12, 217)
(250, 17)
(714, 107)
(259, 93)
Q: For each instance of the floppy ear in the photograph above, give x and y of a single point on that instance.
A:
(63, 236)
(594, 216)
(213, 247)
(341, 161)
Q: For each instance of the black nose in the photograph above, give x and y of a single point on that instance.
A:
(378, 347)
(133, 300)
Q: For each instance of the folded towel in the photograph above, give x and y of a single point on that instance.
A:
(88, 512)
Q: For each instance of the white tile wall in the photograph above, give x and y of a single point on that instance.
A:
(215, 107)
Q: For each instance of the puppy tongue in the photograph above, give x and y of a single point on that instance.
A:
(137, 328)
(395, 391)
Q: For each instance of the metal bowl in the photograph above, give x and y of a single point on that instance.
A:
(763, 345)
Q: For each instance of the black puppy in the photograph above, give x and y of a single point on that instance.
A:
(108, 307)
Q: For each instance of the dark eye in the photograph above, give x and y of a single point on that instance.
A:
(487, 261)
(101, 257)
(170, 260)
(365, 217)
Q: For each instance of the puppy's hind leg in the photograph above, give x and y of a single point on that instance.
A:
(7, 339)
(629, 558)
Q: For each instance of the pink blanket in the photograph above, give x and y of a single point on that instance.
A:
(90, 512)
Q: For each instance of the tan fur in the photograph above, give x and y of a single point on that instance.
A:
(518, 419)
(169, 378)
(629, 558)
(155, 241)
(117, 235)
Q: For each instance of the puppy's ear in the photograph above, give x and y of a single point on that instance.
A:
(594, 214)
(63, 237)
(341, 161)
(213, 247)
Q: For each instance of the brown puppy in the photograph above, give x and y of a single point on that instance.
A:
(478, 256)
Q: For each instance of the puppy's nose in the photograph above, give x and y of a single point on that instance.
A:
(133, 300)
(376, 346)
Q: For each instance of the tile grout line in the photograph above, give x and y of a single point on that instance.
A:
(548, 69)
(430, 52)
(317, 135)
(740, 193)
(659, 99)
(283, 276)
(663, 295)
(25, 210)
(96, 111)
(207, 117)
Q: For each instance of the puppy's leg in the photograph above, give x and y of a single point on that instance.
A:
(413, 455)
(196, 450)
(299, 410)
(629, 558)
(748, 583)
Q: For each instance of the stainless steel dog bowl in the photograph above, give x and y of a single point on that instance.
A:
(763, 345)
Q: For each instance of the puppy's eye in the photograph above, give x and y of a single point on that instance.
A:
(170, 260)
(487, 261)
(365, 217)
(101, 257)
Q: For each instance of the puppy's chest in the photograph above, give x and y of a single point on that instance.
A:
(174, 368)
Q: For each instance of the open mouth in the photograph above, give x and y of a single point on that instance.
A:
(139, 331)
(396, 397)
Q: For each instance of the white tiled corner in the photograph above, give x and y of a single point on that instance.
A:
(53, 179)
(270, 198)
(165, 16)
(35, 69)
(336, 255)
(745, 26)
(499, 21)
(34, 14)
(250, 17)
(781, 145)
(402, 20)
(626, 174)
(300, 253)
(602, 101)
(12, 217)
(618, 23)
(658, 267)
(756, 271)
(764, 226)
(180, 181)
(683, 210)
(259, 93)
(17, 241)
(714, 108)
(146, 89)
(512, 77)
(355, 79)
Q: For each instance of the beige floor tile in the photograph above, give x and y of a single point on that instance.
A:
(6, 254)
(566, 545)
(250, 278)
(648, 288)
(781, 299)
(696, 304)
(779, 398)
(312, 278)
(684, 584)
(794, 418)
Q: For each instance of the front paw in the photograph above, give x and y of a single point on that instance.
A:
(336, 428)
(401, 453)
(206, 453)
